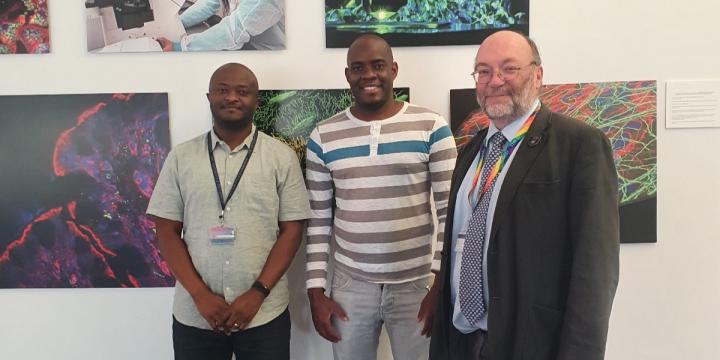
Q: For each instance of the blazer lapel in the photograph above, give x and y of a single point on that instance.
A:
(465, 159)
(532, 145)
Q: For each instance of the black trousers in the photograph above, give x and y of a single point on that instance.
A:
(466, 346)
(266, 342)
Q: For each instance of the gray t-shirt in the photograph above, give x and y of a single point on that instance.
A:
(271, 189)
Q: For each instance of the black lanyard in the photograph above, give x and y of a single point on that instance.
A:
(213, 166)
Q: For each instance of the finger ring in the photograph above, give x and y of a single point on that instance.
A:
(236, 325)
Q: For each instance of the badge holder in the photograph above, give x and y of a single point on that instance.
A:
(221, 234)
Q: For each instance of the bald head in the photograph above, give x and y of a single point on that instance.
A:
(230, 69)
(514, 44)
(370, 43)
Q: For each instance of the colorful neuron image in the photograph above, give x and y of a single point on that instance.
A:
(78, 171)
(423, 22)
(625, 111)
(290, 115)
(24, 27)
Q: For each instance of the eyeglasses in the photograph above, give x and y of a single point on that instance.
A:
(484, 75)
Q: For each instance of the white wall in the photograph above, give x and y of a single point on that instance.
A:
(666, 305)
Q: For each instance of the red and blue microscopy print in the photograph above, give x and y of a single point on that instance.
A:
(78, 171)
(24, 27)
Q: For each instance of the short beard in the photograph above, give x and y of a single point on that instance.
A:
(231, 125)
(520, 104)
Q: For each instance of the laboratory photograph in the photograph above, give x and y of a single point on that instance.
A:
(184, 25)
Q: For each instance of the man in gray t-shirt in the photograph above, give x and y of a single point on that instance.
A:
(229, 209)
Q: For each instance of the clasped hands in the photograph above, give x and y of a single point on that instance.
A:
(224, 317)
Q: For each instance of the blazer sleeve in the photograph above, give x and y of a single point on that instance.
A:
(594, 231)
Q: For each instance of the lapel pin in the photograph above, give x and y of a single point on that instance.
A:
(534, 140)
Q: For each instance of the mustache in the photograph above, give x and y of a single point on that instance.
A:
(499, 91)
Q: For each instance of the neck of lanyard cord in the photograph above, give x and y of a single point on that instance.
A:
(218, 186)
(498, 166)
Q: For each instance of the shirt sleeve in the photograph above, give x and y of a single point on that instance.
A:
(291, 189)
(166, 200)
(199, 12)
(250, 18)
(319, 230)
(442, 163)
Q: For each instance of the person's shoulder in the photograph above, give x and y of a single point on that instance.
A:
(191, 146)
(573, 126)
(271, 142)
(413, 109)
(575, 132)
(275, 147)
(427, 113)
(337, 118)
(335, 122)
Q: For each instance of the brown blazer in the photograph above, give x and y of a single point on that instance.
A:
(554, 243)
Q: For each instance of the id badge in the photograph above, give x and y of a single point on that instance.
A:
(222, 235)
(460, 243)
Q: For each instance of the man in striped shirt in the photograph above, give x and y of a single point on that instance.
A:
(370, 172)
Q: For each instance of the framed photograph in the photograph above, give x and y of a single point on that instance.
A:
(423, 22)
(24, 27)
(626, 111)
(184, 25)
(78, 171)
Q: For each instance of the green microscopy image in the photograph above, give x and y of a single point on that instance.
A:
(423, 22)
(290, 115)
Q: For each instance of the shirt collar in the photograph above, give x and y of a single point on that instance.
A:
(512, 128)
(244, 145)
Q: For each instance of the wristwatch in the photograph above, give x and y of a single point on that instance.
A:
(261, 288)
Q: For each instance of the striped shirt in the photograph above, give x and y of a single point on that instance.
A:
(369, 184)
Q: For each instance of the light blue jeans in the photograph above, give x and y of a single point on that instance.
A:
(369, 306)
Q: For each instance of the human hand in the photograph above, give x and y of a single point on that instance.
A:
(213, 309)
(427, 310)
(323, 309)
(165, 43)
(242, 310)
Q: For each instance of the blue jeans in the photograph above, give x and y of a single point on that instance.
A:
(369, 306)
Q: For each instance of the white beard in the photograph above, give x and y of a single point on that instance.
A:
(518, 105)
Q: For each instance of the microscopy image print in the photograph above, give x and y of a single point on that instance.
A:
(78, 171)
(626, 111)
(290, 115)
(423, 22)
(24, 27)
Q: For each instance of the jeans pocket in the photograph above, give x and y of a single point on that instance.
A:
(421, 284)
(340, 281)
